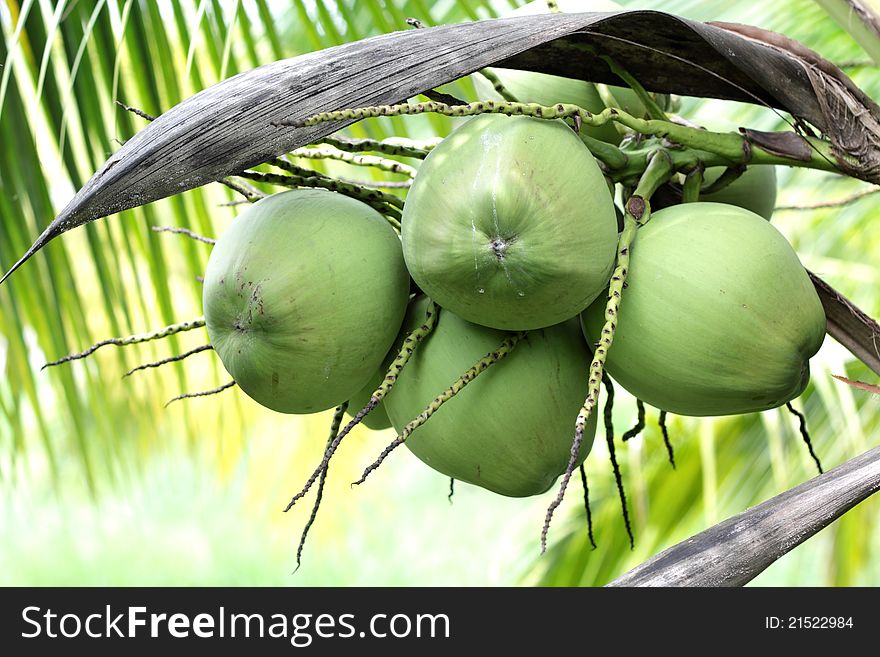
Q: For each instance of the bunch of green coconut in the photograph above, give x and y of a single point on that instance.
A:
(474, 330)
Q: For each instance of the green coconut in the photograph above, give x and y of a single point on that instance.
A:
(510, 223)
(719, 316)
(754, 190)
(510, 429)
(303, 296)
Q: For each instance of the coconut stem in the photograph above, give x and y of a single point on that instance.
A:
(379, 184)
(498, 85)
(451, 489)
(637, 212)
(693, 180)
(331, 153)
(406, 351)
(184, 231)
(172, 359)
(715, 148)
(615, 467)
(397, 146)
(802, 427)
(376, 199)
(640, 422)
(315, 179)
(132, 339)
(654, 111)
(251, 194)
(204, 393)
(507, 346)
(589, 512)
(609, 155)
(730, 174)
(609, 100)
(669, 451)
(334, 429)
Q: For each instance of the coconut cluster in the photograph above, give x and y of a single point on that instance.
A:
(511, 229)
(307, 302)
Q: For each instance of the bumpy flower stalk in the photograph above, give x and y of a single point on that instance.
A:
(407, 349)
(172, 359)
(204, 393)
(379, 184)
(638, 212)
(504, 350)
(251, 194)
(315, 179)
(498, 85)
(295, 169)
(334, 430)
(376, 199)
(184, 231)
(381, 163)
(133, 339)
(399, 146)
(715, 149)
(609, 100)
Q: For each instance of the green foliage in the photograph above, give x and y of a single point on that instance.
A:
(863, 28)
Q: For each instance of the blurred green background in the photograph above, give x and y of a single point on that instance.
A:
(102, 485)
